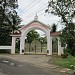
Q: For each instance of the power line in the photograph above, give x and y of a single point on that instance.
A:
(41, 14)
(27, 20)
(37, 10)
(30, 8)
(27, 6)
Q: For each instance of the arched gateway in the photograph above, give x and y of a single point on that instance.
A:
(35, 24)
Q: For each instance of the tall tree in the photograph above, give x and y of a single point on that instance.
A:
(54, 27)
(43, 40)
(9, 20)
(66, 10)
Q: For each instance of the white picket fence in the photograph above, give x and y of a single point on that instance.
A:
(6, 47)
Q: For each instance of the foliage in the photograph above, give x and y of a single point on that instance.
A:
(9, 20)
(5, 51)
(66, 51)
(54, 45)
(31, 36)
(17, 45)
(63, 8)
(66, 10)
(64, 55)
(37, 44)
(68, 37)
(42, 39)
(63, 62)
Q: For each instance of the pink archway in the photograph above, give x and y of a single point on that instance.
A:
(35, 24)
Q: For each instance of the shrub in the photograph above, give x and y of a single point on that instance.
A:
(72, 67)
(66, 51)
(64, 55)
(4, 51)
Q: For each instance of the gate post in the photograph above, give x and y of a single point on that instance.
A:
(49, 43)
(22, 45)
(59, 46)
(13, 45)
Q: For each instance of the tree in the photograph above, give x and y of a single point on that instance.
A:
(9, 20)
(66, 10)
(32, 35)
(42, 40)
(15, 21)
(54, 28)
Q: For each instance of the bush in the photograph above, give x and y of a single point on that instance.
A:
(67, 51)
(64, 55)
(72, 67)
(4, 51)
(17, 50)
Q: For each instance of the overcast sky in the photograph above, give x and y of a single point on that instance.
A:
(28, 9)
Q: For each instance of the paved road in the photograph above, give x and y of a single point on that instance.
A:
(11, 67)
(30, 65)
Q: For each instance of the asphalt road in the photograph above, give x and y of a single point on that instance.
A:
(11, 67)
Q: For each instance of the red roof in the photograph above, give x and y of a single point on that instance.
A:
(17, 32)
(55, 33)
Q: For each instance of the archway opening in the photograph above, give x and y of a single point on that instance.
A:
(55, 46)
(17, 45)
(36, 42)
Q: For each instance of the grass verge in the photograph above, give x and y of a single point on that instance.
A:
(68, 62)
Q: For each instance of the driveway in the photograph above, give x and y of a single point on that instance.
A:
(28, 65)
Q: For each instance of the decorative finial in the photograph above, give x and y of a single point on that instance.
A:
(36, 17)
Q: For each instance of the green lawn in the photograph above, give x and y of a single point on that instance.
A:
(68, 62)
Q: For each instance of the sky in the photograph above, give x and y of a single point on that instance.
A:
(29, 8)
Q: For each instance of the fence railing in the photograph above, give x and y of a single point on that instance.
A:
(5, 47)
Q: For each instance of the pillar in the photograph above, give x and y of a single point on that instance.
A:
(22, 42)
(13, 45)
(59, 46)
(49, 44)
